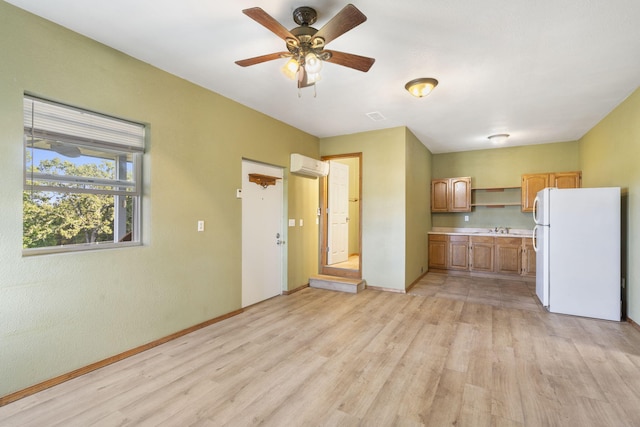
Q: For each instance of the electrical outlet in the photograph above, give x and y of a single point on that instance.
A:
(200, 225)
(466, 218)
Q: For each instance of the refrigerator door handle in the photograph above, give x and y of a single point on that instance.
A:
(534, 239)
(536, 203)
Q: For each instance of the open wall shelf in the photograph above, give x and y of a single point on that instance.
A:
(495, 197)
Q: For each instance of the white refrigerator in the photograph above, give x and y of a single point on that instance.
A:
(577, 244)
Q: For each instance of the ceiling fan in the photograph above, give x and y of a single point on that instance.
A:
(306, 45)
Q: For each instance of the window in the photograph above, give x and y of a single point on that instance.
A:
(82, 173)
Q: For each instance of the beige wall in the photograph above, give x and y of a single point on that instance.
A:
(501, 167)
(64, 311)
(383, 201)
(610, 156)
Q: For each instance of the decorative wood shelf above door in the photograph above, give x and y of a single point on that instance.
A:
(262, 180)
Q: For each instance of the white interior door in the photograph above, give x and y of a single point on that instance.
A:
(338, 213)
(262, 239)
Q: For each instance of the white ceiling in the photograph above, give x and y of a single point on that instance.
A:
(542, 71)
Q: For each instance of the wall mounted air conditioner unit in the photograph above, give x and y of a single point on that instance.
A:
(307, 166)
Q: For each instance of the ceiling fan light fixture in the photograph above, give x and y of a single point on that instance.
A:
(290, 69)
(305, 44)
(312, 64)
(498, 138)
(421, 87)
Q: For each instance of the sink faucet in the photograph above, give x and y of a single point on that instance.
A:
(501, 230)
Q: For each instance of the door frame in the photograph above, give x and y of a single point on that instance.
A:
(323, 268)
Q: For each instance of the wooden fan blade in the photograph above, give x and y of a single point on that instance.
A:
(262, 58)
(350, 60)
(347, 19)
(266, 20)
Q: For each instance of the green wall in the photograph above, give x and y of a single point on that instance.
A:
(501, 167)
(60, 312)
(64, 311)
(395, 203)
(418, 208)
(610, 156)
(383, 201)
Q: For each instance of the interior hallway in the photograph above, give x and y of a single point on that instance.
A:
(352, 263)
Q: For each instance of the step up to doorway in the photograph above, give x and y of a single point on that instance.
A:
(334, 283)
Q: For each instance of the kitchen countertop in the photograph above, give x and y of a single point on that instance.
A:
(510, 232)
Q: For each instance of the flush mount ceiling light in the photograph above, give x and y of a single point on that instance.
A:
(421, 87)
(306, 45)
(498, 138)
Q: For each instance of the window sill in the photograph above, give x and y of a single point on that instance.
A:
(77, 248)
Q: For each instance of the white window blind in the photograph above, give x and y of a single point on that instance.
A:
(44, 119)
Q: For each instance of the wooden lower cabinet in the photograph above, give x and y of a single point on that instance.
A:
(509, 255)
(458, 253)
(438, 249)
(528, 258)
(513, 256)
(481, 253)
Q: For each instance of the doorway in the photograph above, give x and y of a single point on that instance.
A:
(340, 225)
(262, 232)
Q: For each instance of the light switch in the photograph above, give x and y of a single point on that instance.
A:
(300, 222)
(292, 223)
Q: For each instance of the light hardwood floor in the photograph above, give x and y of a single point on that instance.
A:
(454, 351)
(353, 263)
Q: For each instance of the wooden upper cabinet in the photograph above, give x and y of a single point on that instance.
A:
(566, 179)
(460, 189)
(532, 183)
(440, 195)
(451, 195)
